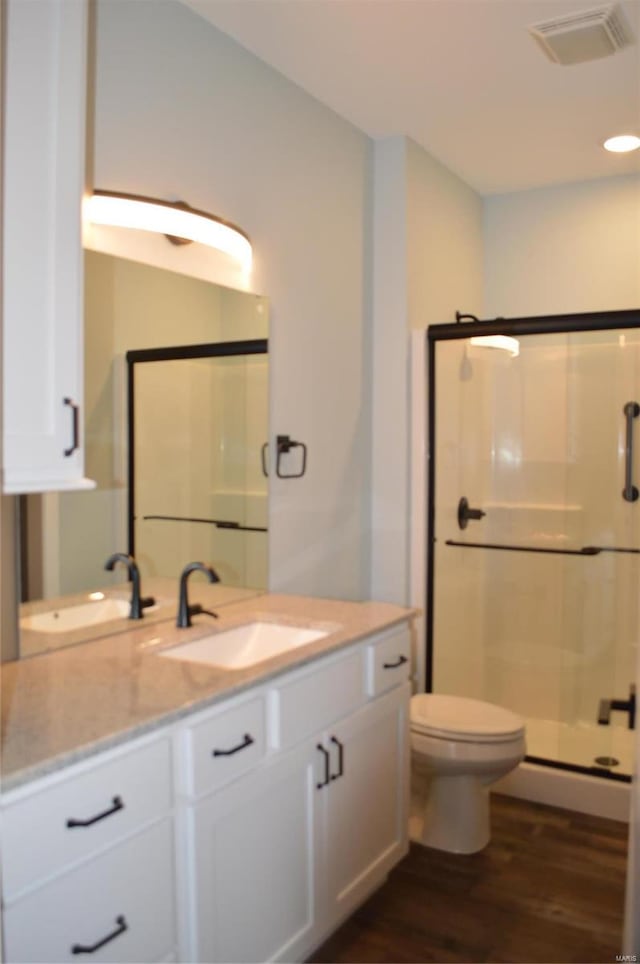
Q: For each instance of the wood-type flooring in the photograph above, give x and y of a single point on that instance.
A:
(548, 888)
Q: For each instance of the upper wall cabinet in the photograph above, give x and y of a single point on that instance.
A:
(42, 292)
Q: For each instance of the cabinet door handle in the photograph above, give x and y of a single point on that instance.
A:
(90, 949)
(400, 660)
(327, 761)
(117, 805)
(247, 741)
(334, 776)
(75, 426)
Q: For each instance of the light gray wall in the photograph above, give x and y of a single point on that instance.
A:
(445, 242)
(184, 112)
(568, 248)
(427, 232)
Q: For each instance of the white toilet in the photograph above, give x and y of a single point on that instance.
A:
(465, 745)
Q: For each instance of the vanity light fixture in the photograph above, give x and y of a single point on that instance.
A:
(622, 143)
(179, 222)
(501, 342)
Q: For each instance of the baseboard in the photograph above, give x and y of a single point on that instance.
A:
(571, 791)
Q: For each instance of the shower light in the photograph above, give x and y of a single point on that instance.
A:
(501, 342)
(180, 223)
(622, 144)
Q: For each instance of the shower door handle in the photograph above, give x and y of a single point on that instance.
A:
(465, 512)
(630, 492)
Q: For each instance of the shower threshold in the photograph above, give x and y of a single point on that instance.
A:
(577, 746)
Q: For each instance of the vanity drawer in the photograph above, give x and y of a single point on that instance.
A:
(125, 894)
(225, 745)
(65, 822)
(309, 702)
(388, 661)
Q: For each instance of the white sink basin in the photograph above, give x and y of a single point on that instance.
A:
(244, 646)
(77, 617)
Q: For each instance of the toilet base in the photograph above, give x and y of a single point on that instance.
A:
(456, 817)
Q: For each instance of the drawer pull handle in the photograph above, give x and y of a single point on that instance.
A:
(75, 426)
(247, 741)
(400, 660)
(327, 761)
(117, 805)
(86, 949)
(336, 742)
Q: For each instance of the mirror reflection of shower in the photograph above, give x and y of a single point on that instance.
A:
(535, 591)
(198, 422)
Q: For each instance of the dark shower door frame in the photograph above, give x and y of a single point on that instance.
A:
(218, 349)
(544, 324)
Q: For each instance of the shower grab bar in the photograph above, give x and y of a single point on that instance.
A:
(585, 551)
(630, 492)
(218, 523)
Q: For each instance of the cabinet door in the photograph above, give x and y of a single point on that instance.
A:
(255, 851)
(44, 153)
(366, 829)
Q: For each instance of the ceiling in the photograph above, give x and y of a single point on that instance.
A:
(462, 78)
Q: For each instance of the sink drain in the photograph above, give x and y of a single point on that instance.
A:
(606, 761)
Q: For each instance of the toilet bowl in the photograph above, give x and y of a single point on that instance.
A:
(465, 745)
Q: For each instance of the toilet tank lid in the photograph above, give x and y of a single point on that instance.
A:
(459, 715)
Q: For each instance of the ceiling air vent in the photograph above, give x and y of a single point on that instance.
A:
(588, 35)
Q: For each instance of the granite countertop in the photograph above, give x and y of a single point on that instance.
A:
(164, 591)
(66, 705)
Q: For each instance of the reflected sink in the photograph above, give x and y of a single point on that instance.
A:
(245, 645)
(77, 617)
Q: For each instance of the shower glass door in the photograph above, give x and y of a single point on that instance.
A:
(536, 575)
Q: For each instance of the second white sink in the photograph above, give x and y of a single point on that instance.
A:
(245, 645)
(77, 617)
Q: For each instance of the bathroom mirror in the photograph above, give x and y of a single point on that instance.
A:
(133, 307)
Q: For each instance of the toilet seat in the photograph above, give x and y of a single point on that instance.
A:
(460, 718)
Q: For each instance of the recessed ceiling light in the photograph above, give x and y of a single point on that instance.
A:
(622, 143)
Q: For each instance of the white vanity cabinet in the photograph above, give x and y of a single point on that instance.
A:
(284, 853)
(42, 291)
(88, 862)
(244, 832)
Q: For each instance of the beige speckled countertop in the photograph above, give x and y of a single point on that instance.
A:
(62, 706)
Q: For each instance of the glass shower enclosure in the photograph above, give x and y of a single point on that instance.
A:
(534, 528)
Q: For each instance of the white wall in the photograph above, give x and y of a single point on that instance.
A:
(427, 261)
(184, 112)
(445, 242)
(570, 248)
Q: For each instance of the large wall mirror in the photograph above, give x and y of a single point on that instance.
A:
(199, 419)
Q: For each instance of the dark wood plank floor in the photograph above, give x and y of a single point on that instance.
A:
(548, 888)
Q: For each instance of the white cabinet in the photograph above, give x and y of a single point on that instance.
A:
(116, 907)
(288, 850)
(42, 291)
(89, 861)
(255, 873)
(366, 822)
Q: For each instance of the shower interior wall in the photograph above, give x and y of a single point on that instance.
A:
(537, 441)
